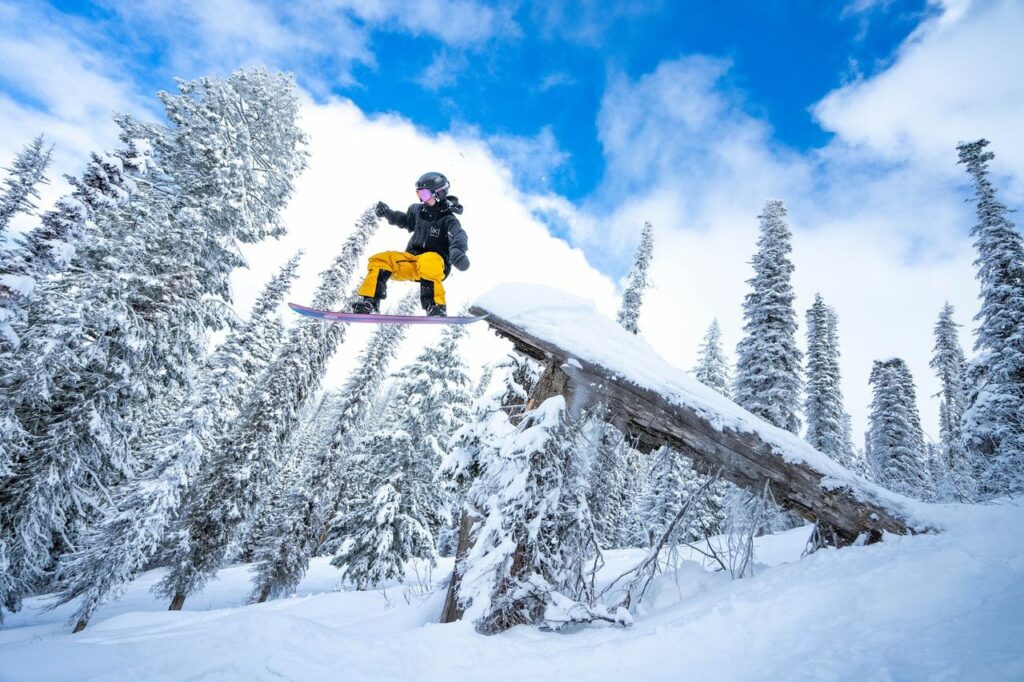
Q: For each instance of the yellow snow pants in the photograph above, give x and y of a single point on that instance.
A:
(427, 268)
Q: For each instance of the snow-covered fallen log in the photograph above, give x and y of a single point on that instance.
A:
(591, 358)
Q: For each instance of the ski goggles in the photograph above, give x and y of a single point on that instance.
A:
(424, 194)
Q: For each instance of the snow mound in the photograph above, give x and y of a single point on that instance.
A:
(926, 607)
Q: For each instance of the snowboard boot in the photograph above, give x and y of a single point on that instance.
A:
(436, 310)
(366, 305)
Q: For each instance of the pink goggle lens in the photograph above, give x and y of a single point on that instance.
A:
(424, 194)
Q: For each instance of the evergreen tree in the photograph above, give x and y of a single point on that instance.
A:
(484, 382)
(312, 437)
(601, 444)
(993, 423)
(950, 365)
(535, 542)
(116, 548)
(50, 247)
(606, 489)
(20, 187)
(768, 371)
(712, 368)
(633, 532)
(109, 339)
(498, 402)
(827, 421)
(296, 522)
(253, 445)
(632, 298)
(895, 440)
(393, 524)
(671, 483)
(502, 401)
(62, 425)
(432, 402)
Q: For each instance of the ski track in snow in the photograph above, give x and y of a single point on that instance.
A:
(944, 606)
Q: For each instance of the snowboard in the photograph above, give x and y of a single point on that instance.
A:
(376, 318)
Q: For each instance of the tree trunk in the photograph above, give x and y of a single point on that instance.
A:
(848, 509)
(264, 593)
(452, 608)
(177, 602)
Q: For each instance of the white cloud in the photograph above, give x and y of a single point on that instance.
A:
(453, 22)
(587, 22)
(533, 158)
(331, 37)
(202, 37)
(356, 161)
(957, 78)
(556, 80)
(61, 85)
(443, 71)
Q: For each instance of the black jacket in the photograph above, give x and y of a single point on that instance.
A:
(435, 228)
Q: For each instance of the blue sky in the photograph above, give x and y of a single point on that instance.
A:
(547, 65)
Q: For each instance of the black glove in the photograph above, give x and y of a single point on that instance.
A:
(382, 210)
(460, 260)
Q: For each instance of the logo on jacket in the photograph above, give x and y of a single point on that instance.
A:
(435, 230)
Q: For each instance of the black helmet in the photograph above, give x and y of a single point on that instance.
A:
(436, 183)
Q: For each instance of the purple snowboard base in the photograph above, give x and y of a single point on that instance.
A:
(331, 316)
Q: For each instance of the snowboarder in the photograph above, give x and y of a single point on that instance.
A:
(438, 242)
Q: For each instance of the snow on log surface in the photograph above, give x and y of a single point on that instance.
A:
(659, 404)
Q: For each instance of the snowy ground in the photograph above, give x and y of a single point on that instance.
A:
(936, 607)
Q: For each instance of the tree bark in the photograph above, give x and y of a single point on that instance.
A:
(264, 593)
(177, 602)
(453, 610)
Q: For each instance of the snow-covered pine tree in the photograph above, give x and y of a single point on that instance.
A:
(295, 525)
(632, 531)
(127, 326)
(236, 365)
(52, 245)
(503, 400)
(313, 435)
(671, 483)
(768, 368)
(252, 446)
(633, 296)
(484, 382)
(939, 476)
(606, 449)
(950, 365)
(116, 548)
(993, 423)
(601, 444)
(827, 421)
(234, 150)
(895, 440)
(392, 525)
(535, 543)
(431, 403)
(20, 188)
(57, 442)
(712, 367)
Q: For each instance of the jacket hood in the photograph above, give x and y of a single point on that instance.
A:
(453, 205)
(446, 205)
